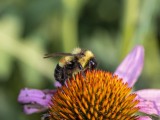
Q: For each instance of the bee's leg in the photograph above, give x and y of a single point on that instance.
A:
(90, 66)
(45, 116)
(64, 76)
(81, 69)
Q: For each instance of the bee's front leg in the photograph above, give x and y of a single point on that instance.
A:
(81, 69)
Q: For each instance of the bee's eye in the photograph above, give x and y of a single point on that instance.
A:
(92, 63)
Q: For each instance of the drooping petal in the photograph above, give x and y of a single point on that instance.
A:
(149, 101)
(30, 108)
(144, 118)
(131, 66)
(35, 100)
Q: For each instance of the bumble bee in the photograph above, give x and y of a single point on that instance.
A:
(71, 63)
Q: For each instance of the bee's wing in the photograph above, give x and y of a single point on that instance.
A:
(59, 54)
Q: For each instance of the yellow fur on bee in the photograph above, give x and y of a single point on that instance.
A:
(76, 50)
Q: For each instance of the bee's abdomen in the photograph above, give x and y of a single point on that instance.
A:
(59, 74)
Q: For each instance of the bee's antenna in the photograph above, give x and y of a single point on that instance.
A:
(48, 55)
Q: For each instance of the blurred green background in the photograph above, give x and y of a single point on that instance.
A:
(110, 28)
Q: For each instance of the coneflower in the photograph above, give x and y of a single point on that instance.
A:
(99, 95)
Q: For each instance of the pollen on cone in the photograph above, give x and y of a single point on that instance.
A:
(98, 95)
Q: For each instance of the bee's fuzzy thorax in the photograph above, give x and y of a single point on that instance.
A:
(63, 61)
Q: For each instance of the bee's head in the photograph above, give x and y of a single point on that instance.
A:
(92, 63)
(88, 60)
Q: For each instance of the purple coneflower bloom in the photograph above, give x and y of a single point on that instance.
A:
(39, 100)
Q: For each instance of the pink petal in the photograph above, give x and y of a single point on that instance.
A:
(36, 100)
(57, 84)
(131, 66)
(149, 101)
(41, 97)
(28, 110)
(144, 118)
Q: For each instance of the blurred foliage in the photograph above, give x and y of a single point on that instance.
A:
(110, 28)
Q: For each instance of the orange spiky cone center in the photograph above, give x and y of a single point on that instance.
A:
(97, 96)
